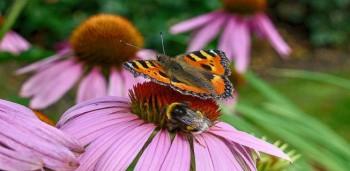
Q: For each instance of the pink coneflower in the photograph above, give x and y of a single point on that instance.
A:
(117, 130)
(26, 143)
(237, 19)
(96, 52)
(13, 42)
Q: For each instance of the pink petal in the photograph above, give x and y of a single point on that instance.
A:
(13, 43)
(130, 81)
(16, 109)
(202, 155)
(53, 155)
(178, 157)
(241, 44)
(153, 156)
(146, 54)
(121, 82)
(265, 26)
(45, 63)
(22, 44)
(92, 86)
(221, 156)
(26, 118)
(206, 33)
(247, 140)
(88, 107)
(35, 83)
(13, 160)
(225, 39)
(101, 145)
(230, 102)
(115, 87)
(57, 87)
(98, 127)
(122, 153)
(194, 22)
(243, 156)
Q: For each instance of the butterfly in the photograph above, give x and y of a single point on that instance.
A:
(200, 73)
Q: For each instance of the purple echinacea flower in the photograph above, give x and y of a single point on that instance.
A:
(237, 20)
(116, 130)
(94, 51)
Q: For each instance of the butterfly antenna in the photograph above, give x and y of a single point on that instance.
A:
(161, 37)
(121, 41)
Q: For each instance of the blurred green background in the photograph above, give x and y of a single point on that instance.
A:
(312, 106)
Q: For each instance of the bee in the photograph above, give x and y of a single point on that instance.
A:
(180, 116)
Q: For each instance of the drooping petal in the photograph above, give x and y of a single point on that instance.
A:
(202, 155)
(46, 132)
(221, 156)
(130, 81)
(241, 44)
(15, 109)
(206, 33)
(146, 54)
(243, 156)
(225, 40)
(47, 62)
(54, 155)
(194, 23)
(12, 160)
(265, 26)
(122, 152)
(98, 147)
(21, 131)
(56, 87)
(121, 82)
(13, 43)
(230, 103)
(153, 156)
(92, 86)
(93, 128)
(116, 85)
(34, 83)
(178, 157)
(225, 131)
(19, 41)
(88, 107)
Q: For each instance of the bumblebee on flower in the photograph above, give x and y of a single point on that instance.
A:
(167, 125)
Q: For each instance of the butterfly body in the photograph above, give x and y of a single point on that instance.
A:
(201, 73)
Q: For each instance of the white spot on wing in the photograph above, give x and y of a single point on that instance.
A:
(211, 51)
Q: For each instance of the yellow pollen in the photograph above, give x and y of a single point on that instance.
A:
(97, 40)
(244, 7)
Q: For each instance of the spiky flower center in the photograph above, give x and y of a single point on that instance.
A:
(97, 40)
(244, 7)
(149, 99)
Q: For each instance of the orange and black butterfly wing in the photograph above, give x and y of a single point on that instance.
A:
(222, 87)
(212, 61)
(149, 69)
(186, 89)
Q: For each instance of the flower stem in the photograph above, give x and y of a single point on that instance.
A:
(12, 15)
